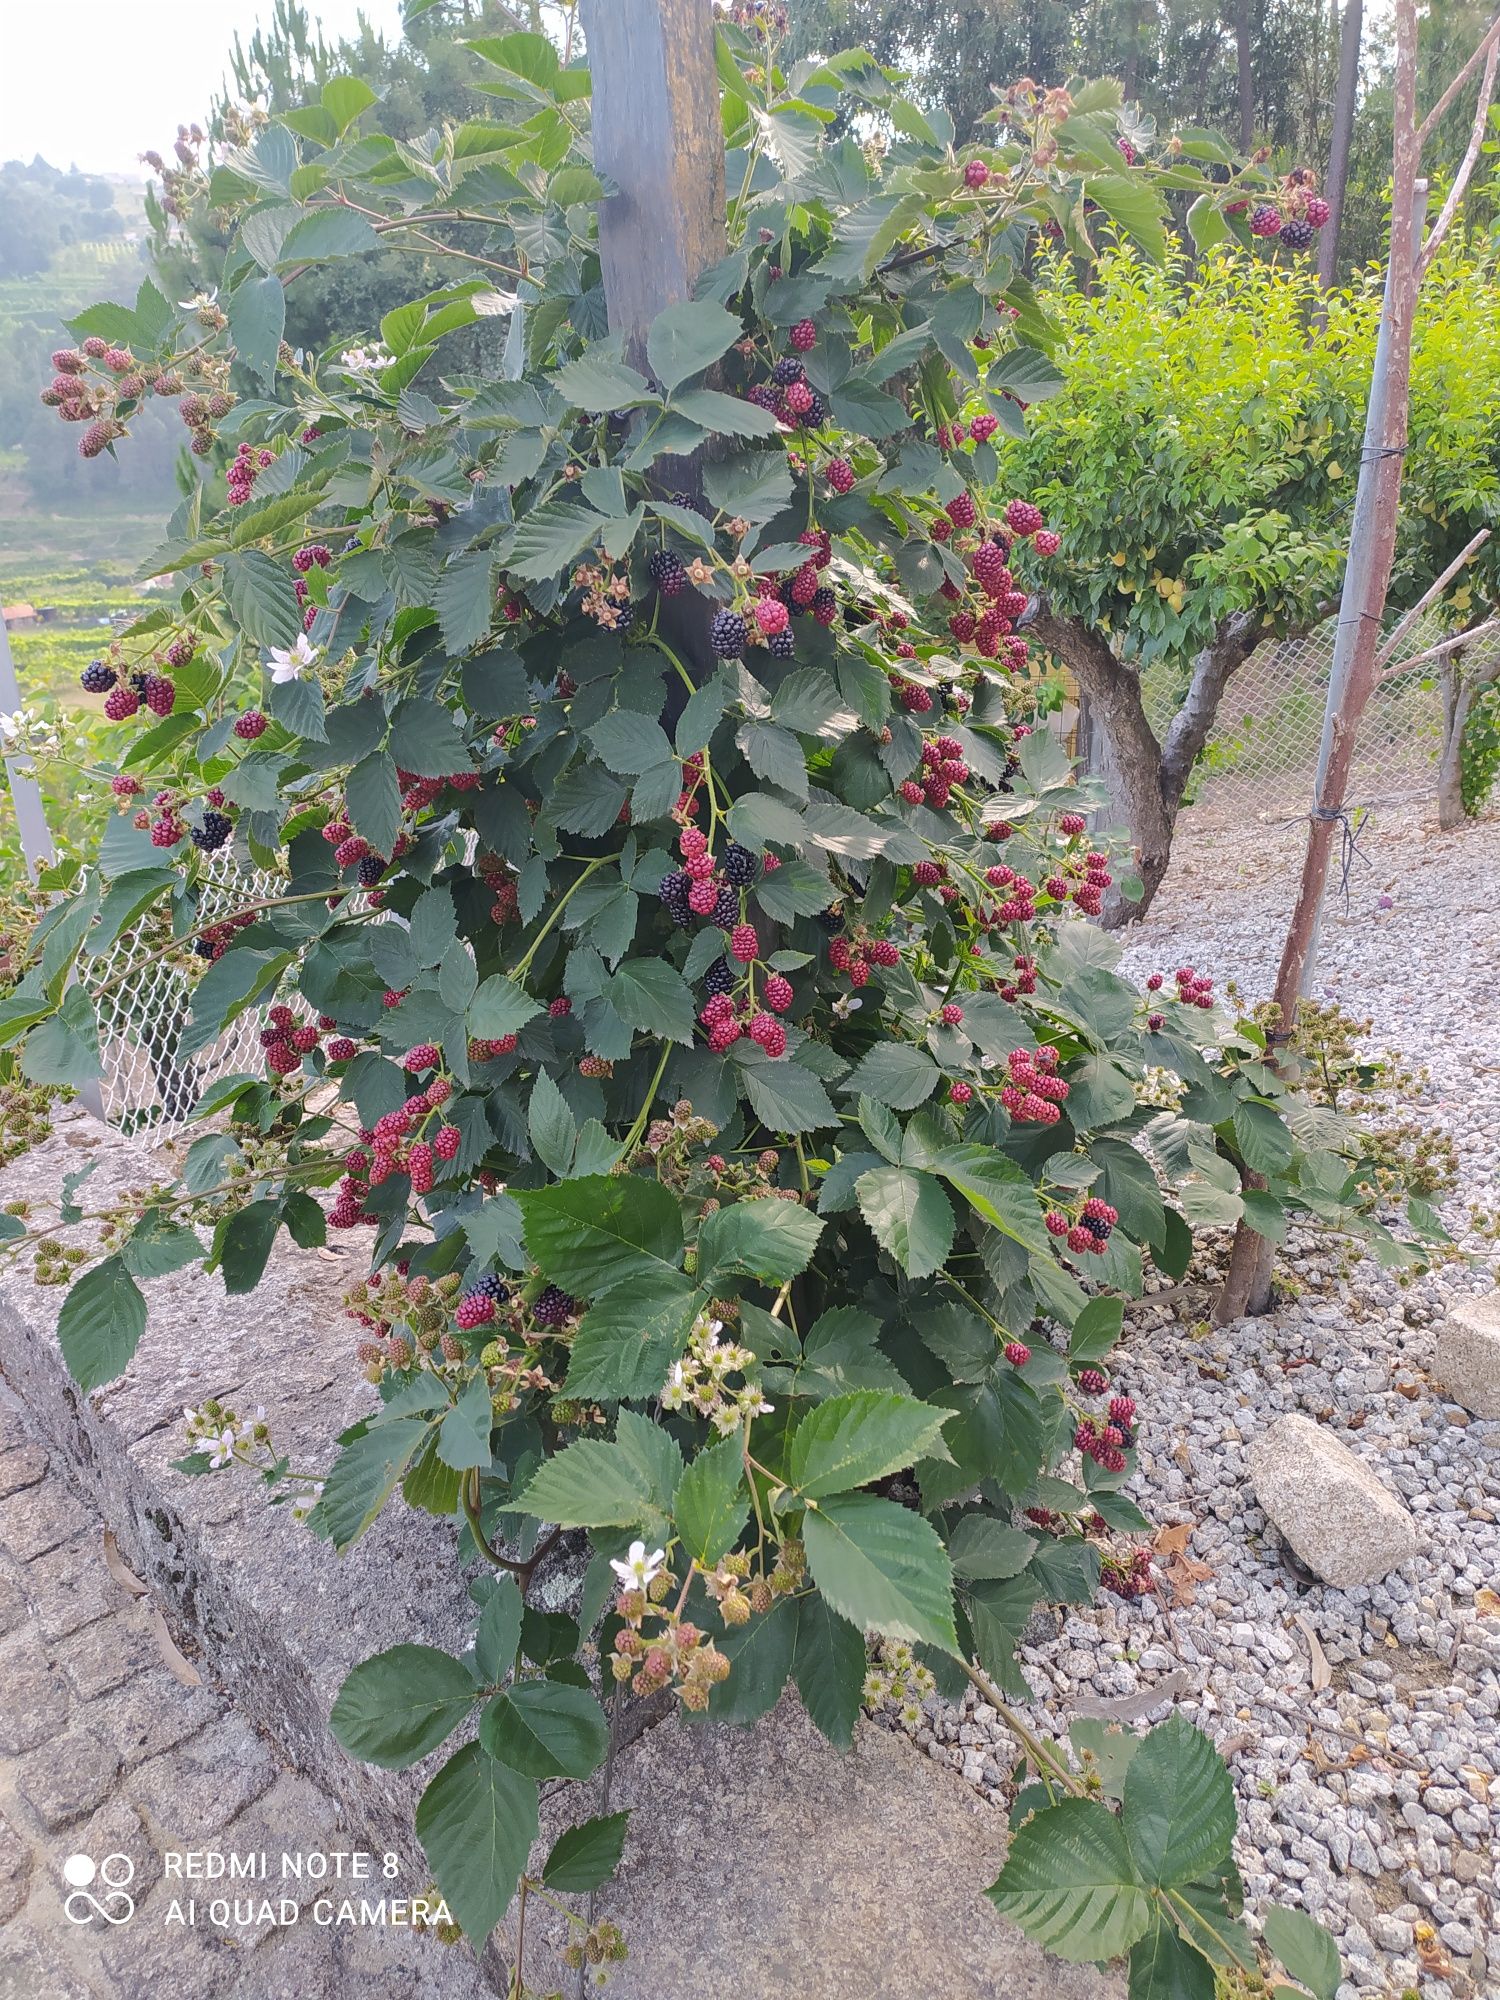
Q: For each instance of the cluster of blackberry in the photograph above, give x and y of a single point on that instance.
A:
(1106, 1443)
(214, 942)
(789, 396)
(704, 886)
(127, 693)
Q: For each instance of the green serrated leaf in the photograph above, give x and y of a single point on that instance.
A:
(395, 1708)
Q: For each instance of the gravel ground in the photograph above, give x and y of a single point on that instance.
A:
(1373, 1799)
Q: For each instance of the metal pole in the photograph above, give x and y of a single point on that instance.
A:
(26, 794)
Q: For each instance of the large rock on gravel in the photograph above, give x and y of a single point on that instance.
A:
(1328, 1504)
(766, 1864)
(1467, 1366)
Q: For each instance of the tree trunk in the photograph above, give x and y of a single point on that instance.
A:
(1132, 753)
(1245, 74)
(1339, 140)
(1147, 779)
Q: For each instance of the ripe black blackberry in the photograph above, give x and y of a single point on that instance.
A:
(98, 677)
(553, 1307)
(668, 572)
(719, 978)
(824, 604)
(728, 634)
(695, 503)
(787, 371)
(1297, 234)
(212, 831)
(832, 921)
(674, 892)
(204, 947)
(815, 413)
(493, 1287)
(138, 683)
(727, 909)
(740, 865)
(1096, 1226)
(370, 869)
(782, 645)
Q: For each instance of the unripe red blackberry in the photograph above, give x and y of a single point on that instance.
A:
(744, 944)
(250, 725)
(840, 475)
(804, 336)
(960, 1093)
(121, 702)
(1046, 541)
(976, 173)
(961, 510)
(951, 1014)
(1022, 518)
(159, 694)
(423, 1056)
(884, 952)
(984, 427)
(915, 700)
(1017, 1353)
(1092, 1381)
(1265, 220)
(1317, 213)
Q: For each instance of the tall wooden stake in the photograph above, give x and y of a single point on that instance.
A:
(1345, 96)
(659, 137)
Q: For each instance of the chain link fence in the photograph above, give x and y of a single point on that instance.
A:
(1263, 751)
(142, 990)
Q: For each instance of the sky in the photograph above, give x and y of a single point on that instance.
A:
(122, 79)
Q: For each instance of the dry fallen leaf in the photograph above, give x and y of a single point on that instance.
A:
(1322, 1673)
(1487, 1602)
(114, 1562)
(1180, 1572)
(1173, 1541)
(176, 1662)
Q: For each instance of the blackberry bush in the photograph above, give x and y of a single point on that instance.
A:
(744, 1134)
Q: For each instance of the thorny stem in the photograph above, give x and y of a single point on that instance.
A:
(633, 1136)
(518, 1990)
(1041, 1753)
(476, 1528)
(760, 1519)
(561, 904)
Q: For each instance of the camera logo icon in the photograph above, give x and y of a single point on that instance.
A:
(99, 1888)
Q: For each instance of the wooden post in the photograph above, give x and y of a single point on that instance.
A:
(659, 137)
(1337, 183)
